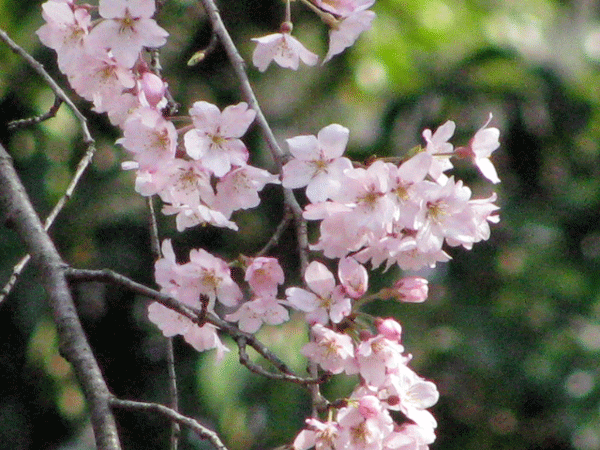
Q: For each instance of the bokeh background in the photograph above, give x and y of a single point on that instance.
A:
(511, 331)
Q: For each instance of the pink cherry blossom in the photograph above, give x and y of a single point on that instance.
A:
(251, 315)
(326, 301)
(376, 356)
(263, 275)
(347, 30)
(213, 277)
(183, 182)
(152, 90)
(150, 137)
(318, 163)
(409, 436)
(480, 148)
(238, 189)
(364, 424)
(128, 28)
(390, 329)
(408, 290)
(65, 30)
(205, 338)
(172, 323)
(406, 391)
(282, 48)
(99, 78)
(343, 7)
(439, 149)
(353, 276)
(187, 216)
(333, 351)
(214, 140)
(320, 435)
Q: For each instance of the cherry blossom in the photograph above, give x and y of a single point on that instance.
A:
(321, 435)
(408, 289)
(214, 140)
(326, 301)
(343, 7)
(263, 275)
(65, 31)
(127, 29)
(439, 149)
(353, 276)
(251, 315)
(318, 163)
(238, 189)
(282, 48)
(480, 148)
(333, 351)
(151, 138)
(346, 31)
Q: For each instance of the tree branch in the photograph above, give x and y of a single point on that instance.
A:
(18, 212)
(83, 164)
(202, 432)
(197, 316)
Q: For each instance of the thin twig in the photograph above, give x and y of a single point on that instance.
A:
(201, 431)
(23, 123)
(195, 315)
(81, 167)
(39, 68)
(173, 394)
(281, 227)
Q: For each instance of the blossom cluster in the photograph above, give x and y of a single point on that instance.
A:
(389, 212)
(401, 214)
(346, 20)
(200, 171)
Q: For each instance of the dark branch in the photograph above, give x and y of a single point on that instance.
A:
(202, 432)
(16, 207)
(196, 315)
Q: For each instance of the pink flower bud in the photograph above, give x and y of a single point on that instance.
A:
(410, 290)
(153, 87)
(389, 328)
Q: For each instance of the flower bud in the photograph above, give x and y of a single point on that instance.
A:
(153, 87)
(408, 289)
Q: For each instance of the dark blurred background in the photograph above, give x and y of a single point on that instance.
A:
(511, 331)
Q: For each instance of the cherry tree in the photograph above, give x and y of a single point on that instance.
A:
(393, 212)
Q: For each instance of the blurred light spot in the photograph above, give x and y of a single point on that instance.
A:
(22, 144)
(586, 439)
(71, 402)
(590, 245)
(579, 384)
(589, 336)
(538, 367)
(521, 31)
(43, 343)
(445, 338)
(57, 179)
(436, 16)
(591, 45)
(105, 158)
(58, 366)
(512, 261)
(540, 313)
(503, 422)
(371, 75)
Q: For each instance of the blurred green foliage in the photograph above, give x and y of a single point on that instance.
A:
(511, 332)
